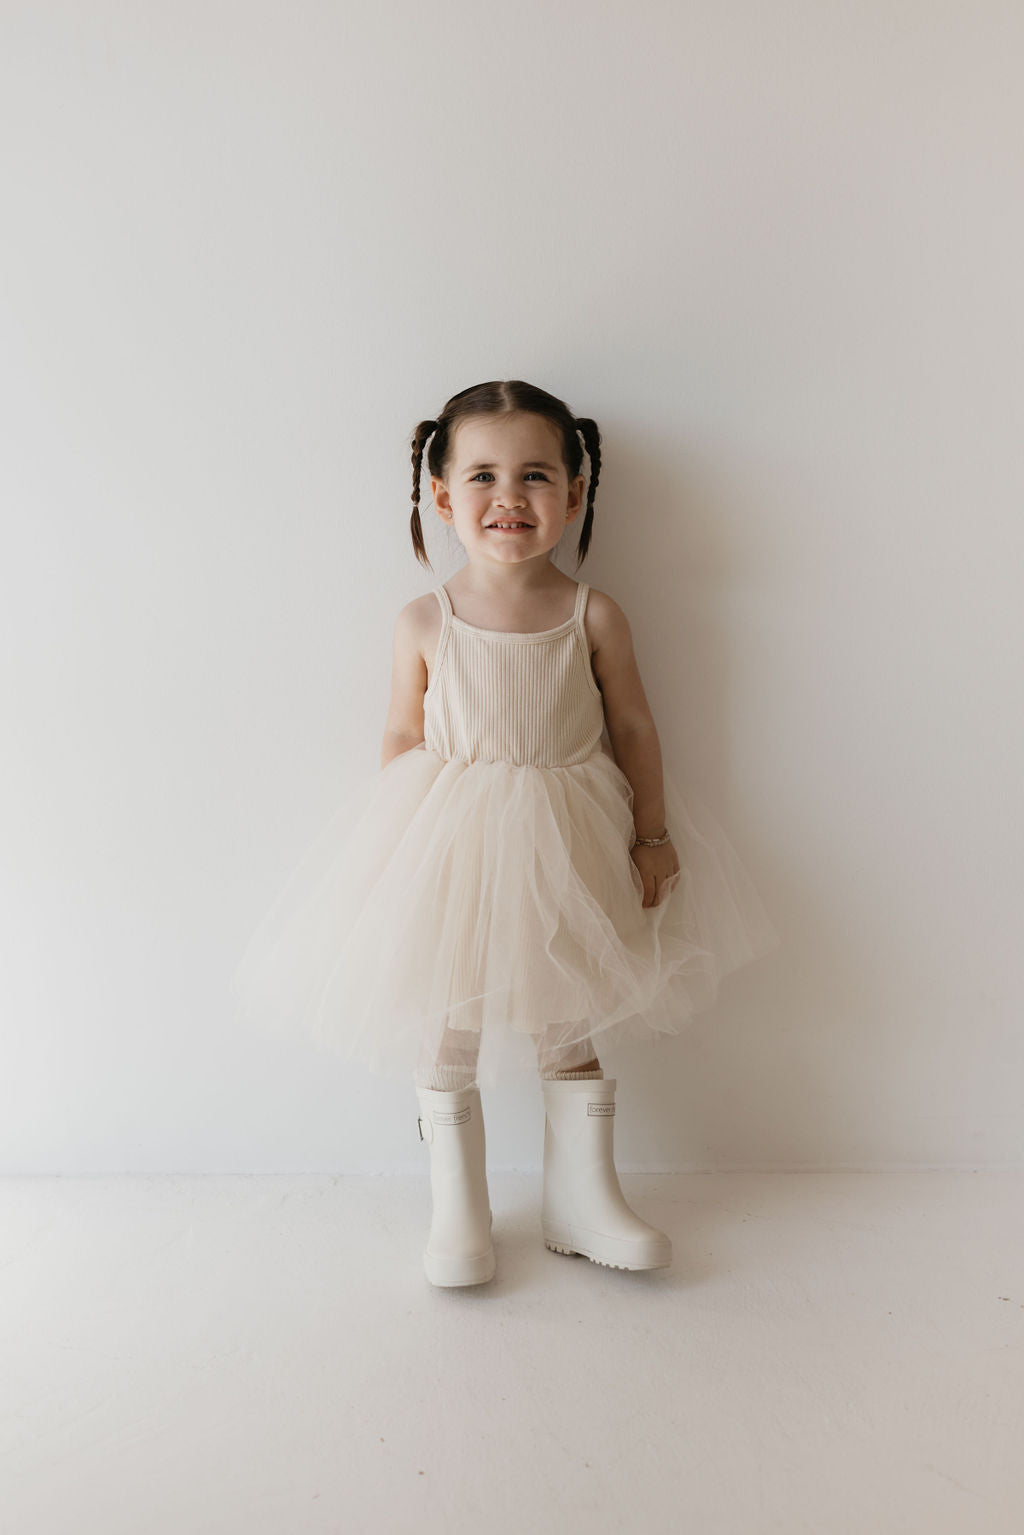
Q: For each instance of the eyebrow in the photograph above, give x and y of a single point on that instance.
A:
(534, 464)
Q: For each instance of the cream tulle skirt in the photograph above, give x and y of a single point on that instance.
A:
(501, 899)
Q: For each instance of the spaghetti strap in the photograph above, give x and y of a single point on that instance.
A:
(581, 602)
(441, 648)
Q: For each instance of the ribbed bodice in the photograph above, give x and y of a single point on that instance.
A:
(523, 698)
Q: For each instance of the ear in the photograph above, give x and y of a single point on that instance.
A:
(439, 495)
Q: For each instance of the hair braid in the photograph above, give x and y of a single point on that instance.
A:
(587, 429)
(419, 440)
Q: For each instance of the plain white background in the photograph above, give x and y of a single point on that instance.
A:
(775, 251)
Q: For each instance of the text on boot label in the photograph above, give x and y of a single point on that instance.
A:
(600, 1108)
(449, 1116)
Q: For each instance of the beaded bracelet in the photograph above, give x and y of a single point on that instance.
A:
(653, 841)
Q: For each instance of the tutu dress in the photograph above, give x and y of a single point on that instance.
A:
(482, 880)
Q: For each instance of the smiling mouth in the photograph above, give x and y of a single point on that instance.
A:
(506, 527)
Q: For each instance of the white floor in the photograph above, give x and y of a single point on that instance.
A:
(836, 1353)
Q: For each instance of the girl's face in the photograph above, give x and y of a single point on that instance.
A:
(507, 470)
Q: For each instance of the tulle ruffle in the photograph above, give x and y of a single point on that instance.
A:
(498, 898)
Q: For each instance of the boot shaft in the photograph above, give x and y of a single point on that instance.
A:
(459, 1250)
(448, 1109)
(452, 1124)
(579, 1126)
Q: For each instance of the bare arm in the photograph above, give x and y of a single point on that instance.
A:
(634, 738)
(403, 727)
(631, 727)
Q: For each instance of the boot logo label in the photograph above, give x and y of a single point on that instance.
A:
(600, 1108)
(449, 1116)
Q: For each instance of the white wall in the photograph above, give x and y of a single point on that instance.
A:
(775, 250)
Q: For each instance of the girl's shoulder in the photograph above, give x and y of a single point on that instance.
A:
(419, 623)
(420, 615)
(605, 621)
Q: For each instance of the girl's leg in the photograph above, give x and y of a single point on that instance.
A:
(452, 1063)
(569, 1063)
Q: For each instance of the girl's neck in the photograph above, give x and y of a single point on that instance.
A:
(508, 585)
(503, 600)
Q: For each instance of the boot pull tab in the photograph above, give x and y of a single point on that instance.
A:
(430, 1129)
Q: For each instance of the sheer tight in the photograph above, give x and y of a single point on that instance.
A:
(454, 1064)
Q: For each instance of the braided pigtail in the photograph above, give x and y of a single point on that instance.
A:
(419, 442)
(587, 429)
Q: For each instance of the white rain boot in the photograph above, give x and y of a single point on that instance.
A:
(584, 1209)
(459, 1250)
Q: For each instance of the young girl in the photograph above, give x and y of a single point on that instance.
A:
(520, 872)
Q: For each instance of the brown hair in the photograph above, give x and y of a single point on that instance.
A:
(506, 397)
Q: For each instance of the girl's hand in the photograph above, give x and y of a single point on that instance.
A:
(659, 870)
